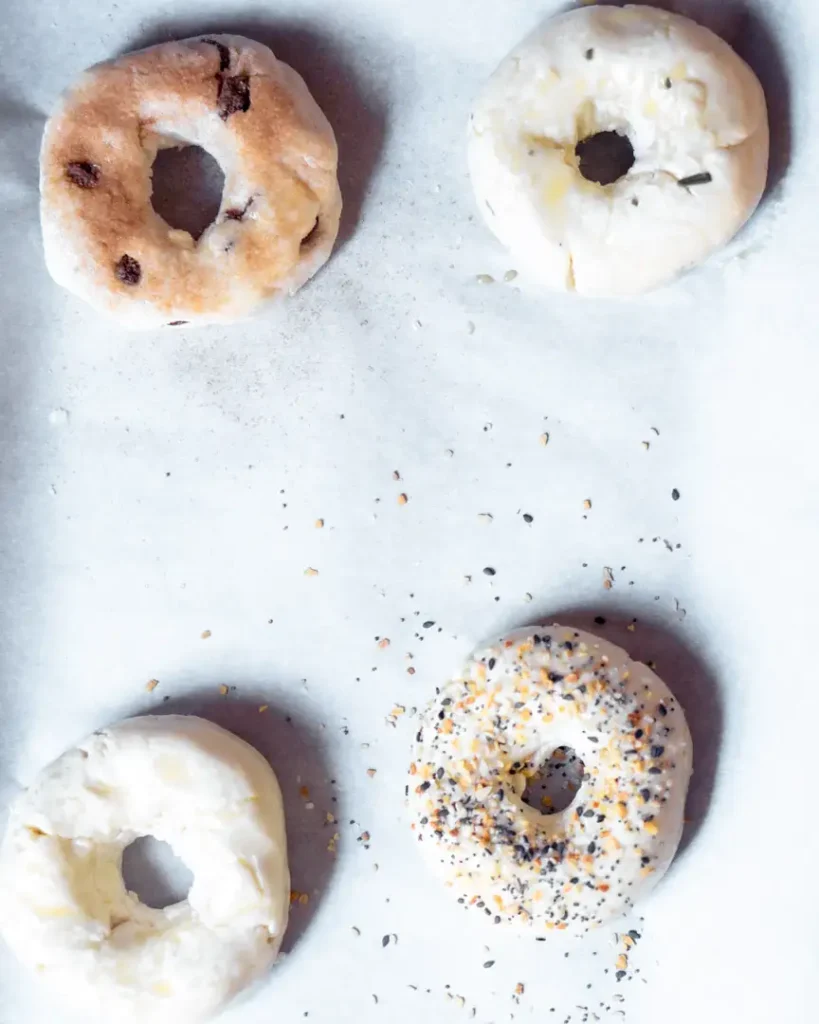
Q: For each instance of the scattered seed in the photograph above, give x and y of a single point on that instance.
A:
(484, 279)
(384, 643)
(489, 571)
(402, 499)
(311, 572)
(319, 524)
(527, 518)
(151, 685)
(675, 495)
(489, 963)
(206, 634)
(510, 275)
(371, 772)
(263, 708)
(587, 503)
(544, 439)
(223, 690)
(385, 941)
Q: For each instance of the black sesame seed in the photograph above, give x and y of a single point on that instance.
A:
(695, 179)
(527, 518)
(657, 751)
(675, 494)
(491, 663)
(488, 571)
(600, 620)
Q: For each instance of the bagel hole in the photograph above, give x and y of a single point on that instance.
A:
(154, 874)
(604, 157)
(310, 237)
(556, 783)
(187, 188)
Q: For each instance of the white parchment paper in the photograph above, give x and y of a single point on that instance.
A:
(159, 494)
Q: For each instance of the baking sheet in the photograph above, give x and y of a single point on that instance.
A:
(159, 494)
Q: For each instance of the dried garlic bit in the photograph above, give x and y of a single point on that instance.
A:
(309, 571)
(402, 499)
(206, 634)
(544, 439)
(151, 685)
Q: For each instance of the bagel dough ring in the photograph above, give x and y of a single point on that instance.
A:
(64, 909)
(489, 731)
(280, 206)
(695, 117)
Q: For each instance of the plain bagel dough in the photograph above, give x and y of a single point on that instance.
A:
(280, 206)
(490, 730)
(64, 909)
(693, 111)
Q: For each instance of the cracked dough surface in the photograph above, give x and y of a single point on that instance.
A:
(691, 108)
(64, 908)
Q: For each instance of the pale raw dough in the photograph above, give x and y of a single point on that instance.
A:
(64, 909)
(691, 108)
(280, 206)
(488, 732)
